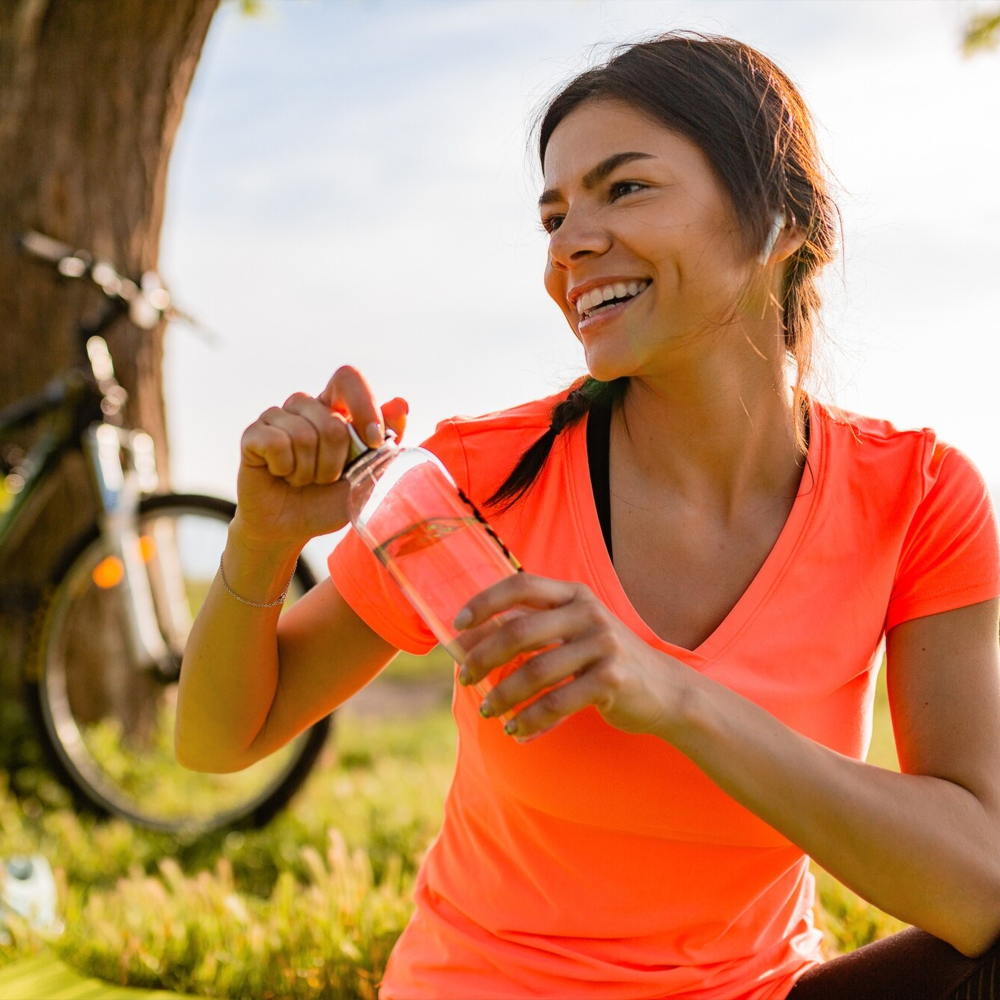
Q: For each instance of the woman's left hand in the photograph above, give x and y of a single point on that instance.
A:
(635, 688)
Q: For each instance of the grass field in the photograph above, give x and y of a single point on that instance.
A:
(309, 906)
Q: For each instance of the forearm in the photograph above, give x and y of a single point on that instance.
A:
(230, 671)
(921, 848)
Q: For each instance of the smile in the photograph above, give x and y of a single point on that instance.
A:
(600, 305)
(599, 299)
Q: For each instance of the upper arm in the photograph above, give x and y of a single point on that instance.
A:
(943, 679)
(326, 653)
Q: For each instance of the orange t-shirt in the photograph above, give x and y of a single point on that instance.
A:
(592, 863)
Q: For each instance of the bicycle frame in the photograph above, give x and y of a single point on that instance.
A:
(23, 483)
(111, 451)
(122, 466)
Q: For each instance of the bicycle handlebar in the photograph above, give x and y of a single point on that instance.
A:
(147, 301)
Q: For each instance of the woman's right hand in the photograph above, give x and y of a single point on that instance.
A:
(289, 488)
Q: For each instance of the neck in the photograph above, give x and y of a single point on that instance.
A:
(713, 438)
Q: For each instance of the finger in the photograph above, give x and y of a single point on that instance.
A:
(523, 634)
(465, 641)
(348, 392)
(266, 446)
(332, 439)
(587, 688)
(522, 588)
(547, 670)
(394, 415)
(303, 439)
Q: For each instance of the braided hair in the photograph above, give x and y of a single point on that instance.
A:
(750, 121)
(586, 392)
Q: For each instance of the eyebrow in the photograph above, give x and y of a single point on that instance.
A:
(595, 175)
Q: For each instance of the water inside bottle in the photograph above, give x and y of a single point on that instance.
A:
(441, 563)
(419, 536)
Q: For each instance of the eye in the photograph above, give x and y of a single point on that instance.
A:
(617, 190)
(620, 188)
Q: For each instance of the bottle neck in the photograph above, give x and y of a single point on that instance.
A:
(369, 464)
(360, 454)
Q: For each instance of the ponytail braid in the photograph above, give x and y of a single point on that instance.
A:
(585, 393)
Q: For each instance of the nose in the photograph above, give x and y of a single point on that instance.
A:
(577, 238)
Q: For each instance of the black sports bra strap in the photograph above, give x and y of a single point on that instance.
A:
(598, 450)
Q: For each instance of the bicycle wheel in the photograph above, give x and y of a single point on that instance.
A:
(109, 724)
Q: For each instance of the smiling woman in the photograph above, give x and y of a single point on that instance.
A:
(750, 142)
(714, 562)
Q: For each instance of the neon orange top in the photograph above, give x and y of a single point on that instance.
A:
(591, 863)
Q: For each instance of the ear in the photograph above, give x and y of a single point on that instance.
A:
(788, 243)
(789, 240)
(782, 241)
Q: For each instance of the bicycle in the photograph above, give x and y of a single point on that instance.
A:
(103, 668)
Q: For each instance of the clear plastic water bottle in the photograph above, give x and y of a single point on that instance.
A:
(430, 537)
(28, 888)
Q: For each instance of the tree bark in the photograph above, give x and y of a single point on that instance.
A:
(91, 96)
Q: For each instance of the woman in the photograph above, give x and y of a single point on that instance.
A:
(714, 560)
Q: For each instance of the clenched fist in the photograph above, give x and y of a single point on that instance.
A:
(292, 456)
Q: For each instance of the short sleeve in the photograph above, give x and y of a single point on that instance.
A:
(950, 556)
(363, 581)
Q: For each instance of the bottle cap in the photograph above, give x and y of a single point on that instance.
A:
(357, 448)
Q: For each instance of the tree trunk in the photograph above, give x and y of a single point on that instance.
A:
(91, 96)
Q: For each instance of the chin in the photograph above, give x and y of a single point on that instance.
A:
(606, 368)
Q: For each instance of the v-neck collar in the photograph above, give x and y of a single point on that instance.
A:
(763, 585)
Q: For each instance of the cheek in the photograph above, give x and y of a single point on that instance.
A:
(555, 284)
(704, 273)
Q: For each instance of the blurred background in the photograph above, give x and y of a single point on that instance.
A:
(352, 183)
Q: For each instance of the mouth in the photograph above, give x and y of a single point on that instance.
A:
(608, 299)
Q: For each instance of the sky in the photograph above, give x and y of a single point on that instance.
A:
(352, 184)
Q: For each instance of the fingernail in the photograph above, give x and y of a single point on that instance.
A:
(485, 709)
(462, 619)
(464, 677)
(373, 434)
(511, 727)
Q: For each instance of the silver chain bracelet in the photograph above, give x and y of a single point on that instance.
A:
(254, 604)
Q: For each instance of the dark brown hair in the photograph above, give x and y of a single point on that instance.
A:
(750, 121)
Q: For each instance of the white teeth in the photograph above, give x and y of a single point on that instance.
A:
(589, 301)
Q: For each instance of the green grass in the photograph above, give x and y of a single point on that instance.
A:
(436, 663)
(45, 977)
(308, 907)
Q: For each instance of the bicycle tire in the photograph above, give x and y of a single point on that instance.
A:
(49, 684)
